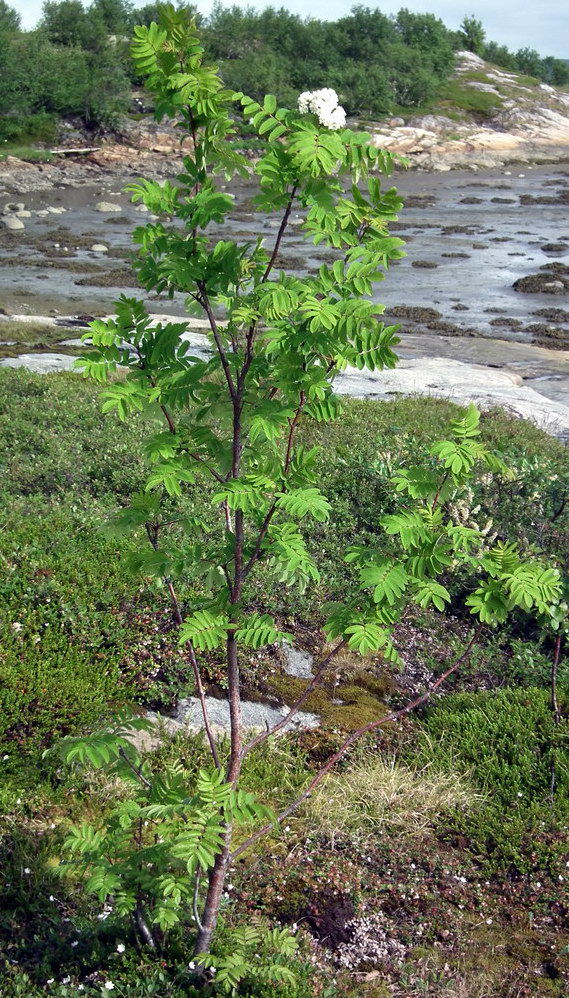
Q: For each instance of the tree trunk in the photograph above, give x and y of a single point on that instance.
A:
(213, 898)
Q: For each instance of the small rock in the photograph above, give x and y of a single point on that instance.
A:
(297, 662)
(13, 223)
(107, 206)
(13, 207)
(254, 716)
(99, 248)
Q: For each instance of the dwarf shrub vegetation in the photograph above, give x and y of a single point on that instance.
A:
(508, 743)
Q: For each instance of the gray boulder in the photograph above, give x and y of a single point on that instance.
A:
(12, 222)
(107, 207)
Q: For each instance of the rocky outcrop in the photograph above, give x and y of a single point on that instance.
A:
(440, 376)
(526, 124)
(462, 383)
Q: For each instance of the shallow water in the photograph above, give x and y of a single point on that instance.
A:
(498, 242)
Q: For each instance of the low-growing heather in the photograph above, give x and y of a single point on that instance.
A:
(509, 745)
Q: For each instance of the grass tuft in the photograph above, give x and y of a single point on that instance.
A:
(380, 795)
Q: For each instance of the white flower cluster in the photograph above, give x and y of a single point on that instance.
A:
(324, 104)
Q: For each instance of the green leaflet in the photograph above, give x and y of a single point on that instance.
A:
(260, 630)
(205, 630)
(388, 578)
(302, 502)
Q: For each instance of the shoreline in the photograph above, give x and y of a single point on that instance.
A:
(424, 369)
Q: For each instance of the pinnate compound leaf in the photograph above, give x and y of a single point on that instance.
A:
(303, 502)
(388, 578)
(260, 630)
(205, 630)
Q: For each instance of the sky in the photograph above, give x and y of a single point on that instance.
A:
(541, 24)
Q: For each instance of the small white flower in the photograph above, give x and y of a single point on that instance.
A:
(121, 948)
(192, 965)
(51, 980)
(324, 104)
(51, 897)
(4, 757)
(27, 869)
(489, 921)
(16, 626)
(74, 943)
(80, 987)
(109, 986)
(66, 980)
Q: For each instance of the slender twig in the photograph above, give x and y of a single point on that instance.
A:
(143, 928)
(438, 492)
(196, 671)
(395, 716)
(293, 423)
(280, 234)
(272, 260)
(228, 522)
(137, 772)
(555, 711)
(152, 531)
(194, 456)
(262, 737)
(217, 338)
(561, 507)
(168, 418)
(195, 902)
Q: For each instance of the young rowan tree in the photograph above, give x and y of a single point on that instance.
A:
(231, 418)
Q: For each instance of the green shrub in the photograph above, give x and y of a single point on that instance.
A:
(24, 128)
(506, 742)
(50, 685)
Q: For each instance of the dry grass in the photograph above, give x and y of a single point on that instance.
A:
(378, 794)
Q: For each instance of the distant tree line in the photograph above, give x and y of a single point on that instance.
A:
(76, 61)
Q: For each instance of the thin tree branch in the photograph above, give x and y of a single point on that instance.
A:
(561, 507)
(195, 902)
(273, 507)
(262, 737)
(152, 531)
(143, 928)
(196, 671)
(439, 490)
(280, 234)
(137, 772)
(218, 342)
(195, 457)
(395, 716)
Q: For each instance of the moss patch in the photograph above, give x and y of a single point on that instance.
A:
(346, 706)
